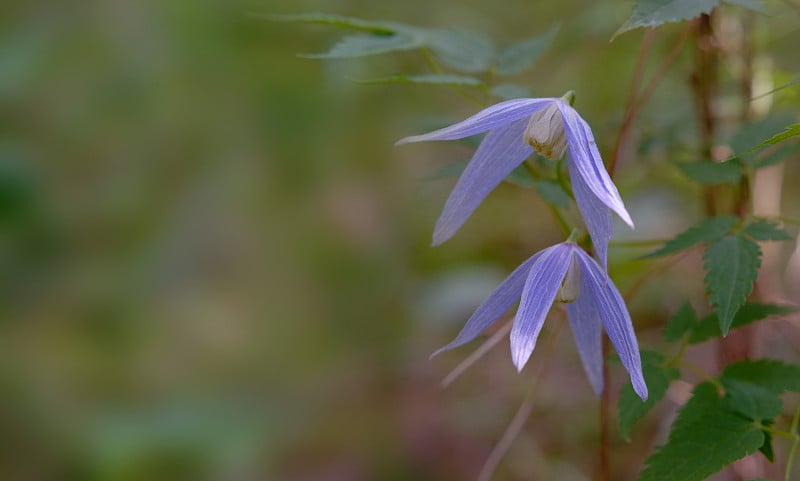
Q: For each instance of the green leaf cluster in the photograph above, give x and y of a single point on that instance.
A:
(467, 52)
(653, 13)
(731, 259)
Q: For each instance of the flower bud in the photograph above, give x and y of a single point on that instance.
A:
(545, 132)
(570, 286)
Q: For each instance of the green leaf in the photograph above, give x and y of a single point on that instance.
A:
(776, 156)
(766, 448)
(705, 437)
(652, 13)
(752, 400)
(552, 192)
(712, 173)
(680, 323)
(657, 377)
(731, 266)
(707, 230)
(341, 21)
(753, 5)
(362, 45)
(749, 313)
(466, 51)
(520, 56)
(510, 91)
(752, 134)
(764, 230)
(775, 376)
(789, 132)
(429, 79)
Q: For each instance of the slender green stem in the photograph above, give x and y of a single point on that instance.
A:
(789, 220)
(699, 372)
(796, 440)
(562, 222)
(775, 432)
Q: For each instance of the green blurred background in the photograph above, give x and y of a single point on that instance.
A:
(215, 263)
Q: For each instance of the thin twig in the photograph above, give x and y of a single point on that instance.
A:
(632, 94)
(793, 450)
(477, 354)
(522, 413)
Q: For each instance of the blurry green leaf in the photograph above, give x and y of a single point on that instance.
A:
(754, 133)
(680, 322)
(341, 21)
(749, 313)
(652, 13)
(764, 230)
(430, 79)
(775, 156)
(520, 56)
(731, 266)
(521, 177)
(776, 376)
(711, 173)
(511, 91)
(657, 377)
(754, 5)
(552, 193)
(705, 438)
(707, 230)
(789, 132)
(361, 45)
(466, 51)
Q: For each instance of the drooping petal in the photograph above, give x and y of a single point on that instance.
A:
(585, 323)
(487, 119)
(540, 290)
(615, 318)
(589, 165)
(506, 294)
(501, 151)
(595, 214)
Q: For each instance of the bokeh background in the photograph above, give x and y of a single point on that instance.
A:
(214, 264)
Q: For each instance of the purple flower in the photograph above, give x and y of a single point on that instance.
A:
(516, 128)
(566, 274)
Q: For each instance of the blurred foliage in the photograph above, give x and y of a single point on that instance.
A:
(214, 264)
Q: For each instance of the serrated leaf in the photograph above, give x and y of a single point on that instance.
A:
(511, 91)
(341, 21)
(764, 230)
(707, 230)
(713, 173)
(749, 313)
(789, 132)
(520, 56)
(731, 266)
(753, 5)
(680, 322)
(752, 400)
(552, 192)
(776, 376)
(429, 79)
(466, 51)
(631, 407)
(705, 438)
(362, 45)
(652, 13)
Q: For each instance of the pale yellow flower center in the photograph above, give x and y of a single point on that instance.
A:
(545, 132)
(570, 286)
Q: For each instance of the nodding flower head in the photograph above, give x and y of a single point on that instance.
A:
(516, 128)
(562, 273)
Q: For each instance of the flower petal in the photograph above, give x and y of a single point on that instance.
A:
(487, 119)
(585, 323)
(538, 294)
(584, 154)
(615, 318)
(595, 214)
(501, 151)
(506, 294)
